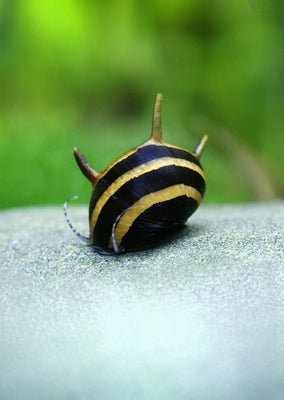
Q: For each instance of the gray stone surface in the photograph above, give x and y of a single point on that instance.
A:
(201, 317)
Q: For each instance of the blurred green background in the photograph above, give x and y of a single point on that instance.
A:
(85, 73)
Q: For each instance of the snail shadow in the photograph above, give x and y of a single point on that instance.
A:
(164, 240)
(175, 237)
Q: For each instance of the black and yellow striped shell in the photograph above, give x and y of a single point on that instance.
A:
(144, 195)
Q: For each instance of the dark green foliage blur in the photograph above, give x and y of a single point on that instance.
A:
(85, 73)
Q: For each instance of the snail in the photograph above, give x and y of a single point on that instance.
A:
(143, 196)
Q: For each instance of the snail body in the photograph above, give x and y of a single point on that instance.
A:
(145, 195)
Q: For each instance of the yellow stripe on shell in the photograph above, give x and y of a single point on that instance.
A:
(134, 173)
(147, 201)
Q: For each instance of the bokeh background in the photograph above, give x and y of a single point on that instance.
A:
(85, 73)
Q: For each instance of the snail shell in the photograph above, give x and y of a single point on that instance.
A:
(145, 195)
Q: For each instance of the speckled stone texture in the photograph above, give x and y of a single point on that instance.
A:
(200, 317)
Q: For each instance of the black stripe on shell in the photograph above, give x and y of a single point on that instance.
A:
(158, 222)
(138, 187)
(141, 156)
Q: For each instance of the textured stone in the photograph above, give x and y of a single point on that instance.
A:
(200, 317)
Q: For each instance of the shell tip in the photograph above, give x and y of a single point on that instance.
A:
(157, 123)
(200, 147)
(90, 173)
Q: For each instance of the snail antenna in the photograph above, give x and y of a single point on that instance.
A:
(84, 238)
(117, 249)
(157, 123)
(200, 147)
